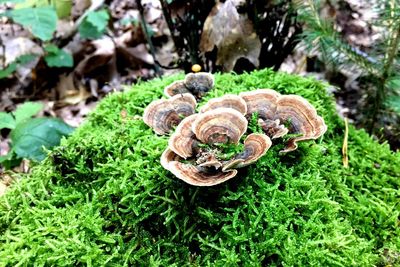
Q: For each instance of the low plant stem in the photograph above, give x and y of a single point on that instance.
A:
(148, 38)
(381, 93)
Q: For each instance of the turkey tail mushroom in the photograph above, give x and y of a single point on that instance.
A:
(221, 125)
(197, 84)
(183, 140)
(262, 101)
(164, 114)
(255, 146)
(175, 88)
(301, 118)
(226, 101)
(195, 176)
(282, 114)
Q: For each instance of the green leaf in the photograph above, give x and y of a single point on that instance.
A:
(57, 57)
(394, 83)
(29, 137)
(27, 110)
(7, 121)
(8, 70)
(13, 66)
(10, 160)
(94, 24)
(11, 1)
(24, 59)
(6, 157)
(393, 103)
(41, 21)
(63, 8)
(31, 3)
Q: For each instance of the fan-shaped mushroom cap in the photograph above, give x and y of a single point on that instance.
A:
(184, 104)
(231, 164)
(177, 87)
(194, 176)
(262, 101)
(221, 125)
(183, 140)
(302, 119)
(226, 101)
(162, 115)
(167, 156)
(199, 83)
(255, 146)
(273, 128)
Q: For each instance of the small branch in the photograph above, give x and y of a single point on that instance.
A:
(345, 144)
(148, 38)
(171, 26)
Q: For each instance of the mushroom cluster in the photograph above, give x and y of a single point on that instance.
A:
(206, 149)
(197, 84)
(284, 114)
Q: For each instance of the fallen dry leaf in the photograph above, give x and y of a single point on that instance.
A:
(3, 188)
(19, 46)
(69, 92)
(64, 28)
(74, 115)
(233, 35)
(104, 50)
(152, 10)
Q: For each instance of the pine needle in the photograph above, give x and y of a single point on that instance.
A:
(345, 145)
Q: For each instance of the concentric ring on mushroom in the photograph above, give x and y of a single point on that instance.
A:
(204, 150)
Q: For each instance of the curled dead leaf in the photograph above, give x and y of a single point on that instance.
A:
(233, 35)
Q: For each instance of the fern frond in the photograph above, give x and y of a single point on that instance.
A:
(321, 34)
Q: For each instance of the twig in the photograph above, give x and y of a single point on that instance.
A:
(345, 144)
(148, 38)
(167, 15)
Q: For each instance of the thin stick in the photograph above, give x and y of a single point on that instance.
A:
(345, 144)
(148, 38)
(170, 23)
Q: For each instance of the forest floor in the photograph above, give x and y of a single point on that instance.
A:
(122, 57)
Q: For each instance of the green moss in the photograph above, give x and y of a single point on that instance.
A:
(102, 198)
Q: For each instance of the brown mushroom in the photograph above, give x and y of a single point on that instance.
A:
(177, 87)
(184, 104)
(167, 156)
(282, 114)
(199, 176)
(226, 101)
(273, 128)
(199, 83)
(164, 114)
(301, 118)
(198, 138)
(221, 125)
(255, 146)
(262, 101)
(183, 140)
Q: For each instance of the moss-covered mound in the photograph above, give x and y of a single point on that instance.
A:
(103, 199)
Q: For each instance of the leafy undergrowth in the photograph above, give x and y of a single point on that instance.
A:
(102, 197)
